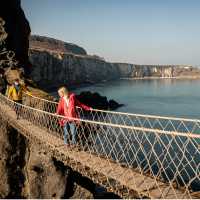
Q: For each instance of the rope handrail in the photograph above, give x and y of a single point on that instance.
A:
(161, 124)
(112, 125)
(125, 113)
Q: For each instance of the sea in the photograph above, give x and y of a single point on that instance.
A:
(164, 97)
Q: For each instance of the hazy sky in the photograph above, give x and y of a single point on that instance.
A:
(133, 31)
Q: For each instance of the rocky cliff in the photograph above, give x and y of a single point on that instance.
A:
(167, 71)
(51, 69)
(138, 71)
(50, 44)
(18, 31)
(54, 66)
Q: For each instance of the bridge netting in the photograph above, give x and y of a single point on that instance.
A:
(172, 124)
(167, 150)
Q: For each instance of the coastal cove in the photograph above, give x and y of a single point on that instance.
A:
(164, 97)
(133, 129)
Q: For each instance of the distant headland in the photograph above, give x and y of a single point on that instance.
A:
(56, 62)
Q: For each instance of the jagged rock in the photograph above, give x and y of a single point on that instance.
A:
(4, 148)
(95, 100)
(43, 179)
(114, 105)
(18, 30)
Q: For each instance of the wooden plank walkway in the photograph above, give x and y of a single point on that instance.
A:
(121, 180)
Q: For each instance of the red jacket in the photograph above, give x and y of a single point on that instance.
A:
(70, 110)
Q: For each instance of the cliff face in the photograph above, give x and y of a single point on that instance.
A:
(4, 147)
(138, 71)
(18, 30)
(169, 71)
(51, 69)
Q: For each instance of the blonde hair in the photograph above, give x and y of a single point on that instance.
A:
(63, 90)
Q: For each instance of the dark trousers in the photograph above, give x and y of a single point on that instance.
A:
(70, 127)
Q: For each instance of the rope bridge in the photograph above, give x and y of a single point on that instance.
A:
(151, 156)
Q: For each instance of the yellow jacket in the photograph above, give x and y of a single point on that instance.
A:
(13, 94)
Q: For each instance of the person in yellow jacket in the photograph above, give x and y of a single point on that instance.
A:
(15, 92)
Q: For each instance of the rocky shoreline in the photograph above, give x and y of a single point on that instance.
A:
(154, 78)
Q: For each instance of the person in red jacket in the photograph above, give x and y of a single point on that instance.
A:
(67, 107)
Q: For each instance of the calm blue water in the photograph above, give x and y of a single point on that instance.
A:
(166, 97)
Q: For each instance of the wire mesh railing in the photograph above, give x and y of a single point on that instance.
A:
(167, 155)
(163, 123)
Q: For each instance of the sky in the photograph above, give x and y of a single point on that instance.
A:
(128, 31)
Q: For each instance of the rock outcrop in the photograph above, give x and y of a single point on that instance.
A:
(95, 100)
(4, 148)
(18, 30)
(50, 44)
(52, 69)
